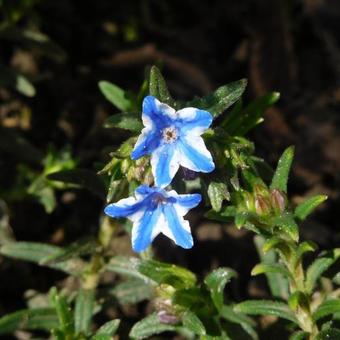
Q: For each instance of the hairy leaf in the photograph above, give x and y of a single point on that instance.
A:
(149, 326)
(266, 307)
(308, 206)
(328, 307)
(83, 310)
(280, 178)
(216, 282)
(115, 95)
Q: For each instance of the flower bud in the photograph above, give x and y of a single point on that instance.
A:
(278, 200)
(167, 318)
(262, 205)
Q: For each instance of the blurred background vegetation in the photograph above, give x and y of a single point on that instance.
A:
(54, 53)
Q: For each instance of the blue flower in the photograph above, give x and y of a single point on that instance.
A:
(154, 211)
(173, 138)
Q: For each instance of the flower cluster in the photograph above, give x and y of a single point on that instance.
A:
(172, 138)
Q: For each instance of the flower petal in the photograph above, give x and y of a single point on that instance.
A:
(165, 163)
(147, 142)
(176, 227)
(145, 229)
(160, 114)
(185, 202)
(123, 208)
(194, 121)
(194, 154)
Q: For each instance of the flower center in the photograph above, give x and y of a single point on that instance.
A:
(159, 199)
(170, 134)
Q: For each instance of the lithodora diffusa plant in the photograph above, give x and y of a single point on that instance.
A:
(206, 137)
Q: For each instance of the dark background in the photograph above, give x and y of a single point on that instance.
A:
(288, 46)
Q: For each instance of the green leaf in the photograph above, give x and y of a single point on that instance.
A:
(86, 179)
(263, 268)
(299, 299)
(83, 310)
(304, 247)
(278, 284)
(307, 207)
(127, 121)
(222, 98)
(299, 335)
(115, 95)
(328, 307)
(280, 178)
(318, 267)
(30, 319)
(286, 224)
(78, 248)
(329, 334)
(160, 272)
(132, 291)
(246, 323)
(16, 81)
(37, 252)
(158, 87)
(217, 192)
(251, 115)
(127, 266)
(216, 282)
(63, 312)
(149, 326)
(193, 323)
(266, 307)
(108, 329)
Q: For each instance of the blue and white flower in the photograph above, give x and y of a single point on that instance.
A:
(153, 211)
(173, 138)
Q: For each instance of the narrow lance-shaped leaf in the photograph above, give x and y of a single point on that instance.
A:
(286, 224)
(158, 87)
(132, 291)
(280, 178)
(266, 307)
(78, 248)
(319, 266)
(222, 98)
(84, 310)
(127, 121)
(149, 326)
(127, 266)
(193, 323)
(30, 319)
(108, 329)
(63, 312)
(115, 95)
(160, 272)
(37, 252)
(228, 313)
(278, 284)
(251, 115)
(307, 207)
(263, 268)
(216, 282)
(328, 307)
